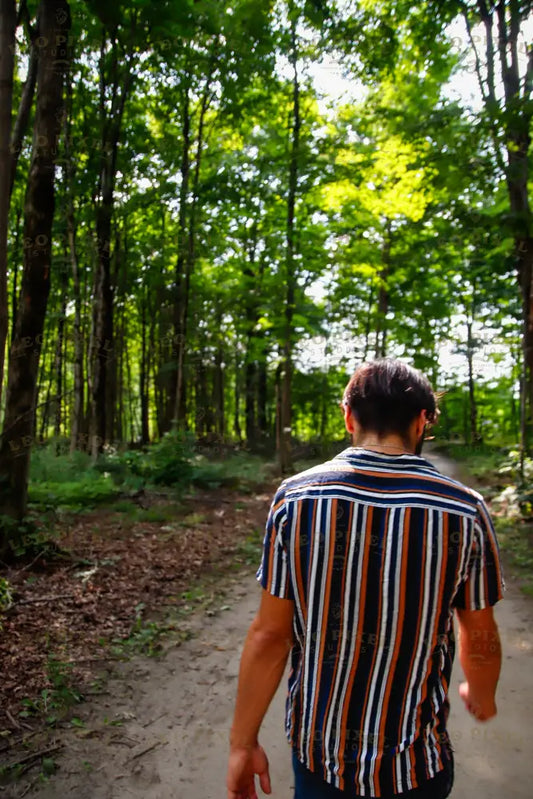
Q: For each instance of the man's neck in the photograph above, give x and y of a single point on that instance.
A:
(386, 445)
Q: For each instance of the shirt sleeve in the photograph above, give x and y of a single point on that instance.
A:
(484, 585)
(273, 573)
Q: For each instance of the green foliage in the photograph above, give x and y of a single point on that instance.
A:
(47, 465)
(146, 637)
(58, 697)
(248, 552)
(91, 489)
(24, 537)
(6, 597)
(240, 470)
(169, 461)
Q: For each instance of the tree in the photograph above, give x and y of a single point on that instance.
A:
(18, 429)
(8, 19)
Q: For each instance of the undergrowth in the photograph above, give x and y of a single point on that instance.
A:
(498, 473)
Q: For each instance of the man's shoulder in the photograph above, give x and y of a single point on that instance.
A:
(323, 472)
(418, 474)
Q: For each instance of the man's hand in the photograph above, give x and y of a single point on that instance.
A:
(244, 764)
(481, 709)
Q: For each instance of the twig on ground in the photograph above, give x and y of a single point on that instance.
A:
(28, 788)
(35, 755)
(153, 721)
(148, 749)
(13, 721)
(34, 561)
(100, 659)
(18, 742)
(45, 599)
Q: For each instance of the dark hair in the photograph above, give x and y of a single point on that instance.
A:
(386, 395)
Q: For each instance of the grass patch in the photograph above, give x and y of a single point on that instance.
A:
(55, 701)
(248, 552)
(240, 470)
(92, 489)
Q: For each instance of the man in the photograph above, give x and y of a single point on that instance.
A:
(365, 559)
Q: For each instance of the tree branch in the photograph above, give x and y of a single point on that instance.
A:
(23, 114)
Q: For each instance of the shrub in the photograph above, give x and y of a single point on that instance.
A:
(170, 460)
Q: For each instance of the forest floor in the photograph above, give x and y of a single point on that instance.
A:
(157, 727)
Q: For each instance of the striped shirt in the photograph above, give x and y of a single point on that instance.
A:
(375, 551)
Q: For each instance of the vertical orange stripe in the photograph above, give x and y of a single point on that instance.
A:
(415, 626)
(358, 638)
(311, 529)
(378, 627)
(398, 638)
(341, 622)
(298, 562)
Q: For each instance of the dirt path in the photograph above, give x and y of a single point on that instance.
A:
(160, 731)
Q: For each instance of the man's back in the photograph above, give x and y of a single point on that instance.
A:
(364, 560)
(375, 550)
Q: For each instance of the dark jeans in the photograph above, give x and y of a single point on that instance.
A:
(308, 785)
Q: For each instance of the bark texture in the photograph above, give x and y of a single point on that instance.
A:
(8, 19)
(18, 430)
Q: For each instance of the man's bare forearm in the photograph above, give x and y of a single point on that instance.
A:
(481, 662)
(262, 665)
(480, 655)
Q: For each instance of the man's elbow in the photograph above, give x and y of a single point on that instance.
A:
(267, 637)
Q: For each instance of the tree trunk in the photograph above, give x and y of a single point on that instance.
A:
(46, 406)
(18, 430)
(178, 389)
(187, 255)
(118, 413)
(122, 82)
(250, 373)
(502, 23)
(368, 322)
(76, 419)
(285, 431)
(218, 392)
(475, 437)
(262, 385)
(383, 297)
(24, 110)
(79, 383)
(237, 413)
(144, 377)
(59, 356)
(8, 21)
(15, 255)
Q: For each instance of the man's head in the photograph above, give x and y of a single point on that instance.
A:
(389, 398)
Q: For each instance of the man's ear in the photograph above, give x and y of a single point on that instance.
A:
(421, 422)
(349, 420)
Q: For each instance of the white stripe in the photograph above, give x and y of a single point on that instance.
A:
(398, 766)
(413, 499)
(395, 542)
(334, 699)
(408, 735)
(326, 529)
(339, 695)
(309, 632)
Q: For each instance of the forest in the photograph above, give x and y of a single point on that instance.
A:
(211, 212)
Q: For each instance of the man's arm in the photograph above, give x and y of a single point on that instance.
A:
(263, 660)
(480, 656)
